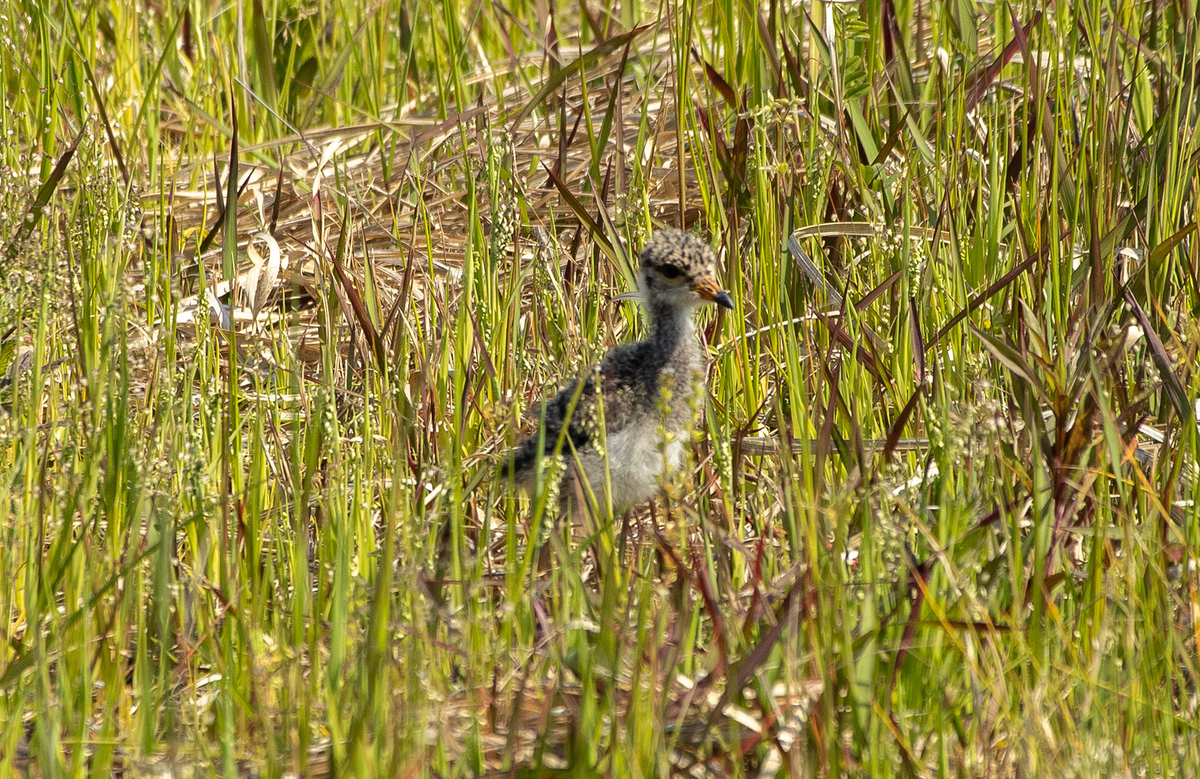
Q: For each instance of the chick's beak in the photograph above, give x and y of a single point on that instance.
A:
(710, 291)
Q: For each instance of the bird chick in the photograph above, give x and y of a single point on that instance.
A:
(638, 404)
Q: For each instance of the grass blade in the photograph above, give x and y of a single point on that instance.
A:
(38, 206)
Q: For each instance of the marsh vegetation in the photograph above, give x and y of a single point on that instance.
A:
(284, 280)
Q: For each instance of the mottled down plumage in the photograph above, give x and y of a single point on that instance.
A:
(647, 393)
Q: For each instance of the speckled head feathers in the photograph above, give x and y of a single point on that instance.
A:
(683, 250)
(680, 270)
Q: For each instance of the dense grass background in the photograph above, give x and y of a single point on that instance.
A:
(940, 519)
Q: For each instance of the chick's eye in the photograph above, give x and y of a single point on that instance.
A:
(669, 271)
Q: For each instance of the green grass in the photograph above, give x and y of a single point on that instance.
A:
(944, 527)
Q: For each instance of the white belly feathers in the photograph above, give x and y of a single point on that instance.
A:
(636, 460)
